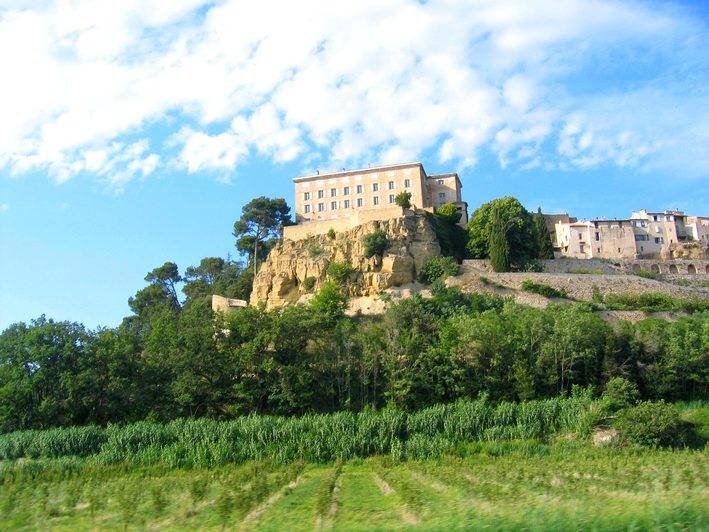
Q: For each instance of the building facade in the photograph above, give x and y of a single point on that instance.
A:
(345, 196)
(644, 235)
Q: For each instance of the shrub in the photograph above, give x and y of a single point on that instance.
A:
(339, 271)
(542, 289)
(654, 302)
(534, 266)
(437, 268)
(375, 243)
(619, 393)
(651, 424)
(309, 283)
(331, 234)
(403, 200)
(647, 274)
(315, 250)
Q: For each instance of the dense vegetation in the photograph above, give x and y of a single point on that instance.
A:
(173, 361)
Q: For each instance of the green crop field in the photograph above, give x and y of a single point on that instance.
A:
(375, 471)
(559, 487)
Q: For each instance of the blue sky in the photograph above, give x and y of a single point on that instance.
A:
(132, 132)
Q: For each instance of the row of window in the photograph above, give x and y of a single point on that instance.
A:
(358, 190)
(346, 204)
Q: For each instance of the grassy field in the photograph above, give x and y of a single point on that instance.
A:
(83, 479)
(561, 486)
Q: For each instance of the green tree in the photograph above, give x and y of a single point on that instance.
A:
(215, 275)
(375, 243)
(544, 245)
(498, 243)
(260, 226)
(403, 199)
(452, 238)
(509, 219)
(161, 292)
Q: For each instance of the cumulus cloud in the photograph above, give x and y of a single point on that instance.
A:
(573, 84)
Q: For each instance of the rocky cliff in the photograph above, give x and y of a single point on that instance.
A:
(282, 278)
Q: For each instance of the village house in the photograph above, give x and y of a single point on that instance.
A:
(644, 235)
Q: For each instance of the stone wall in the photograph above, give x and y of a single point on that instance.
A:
(304, 230)
(603, 266)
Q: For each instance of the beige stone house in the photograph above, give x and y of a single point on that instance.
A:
(341, 200)
(644, 235)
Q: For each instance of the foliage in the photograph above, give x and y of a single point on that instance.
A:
(309, 283)
(215, 275)
(651, 424)
(619, 393)
(315, 250)
(437, 268)
(260, 225)
(375, 243)
(331, 234)
(543, 289)
(403, 199)
(339, 271)
(545, 249)
(451, 237)
(502, 229)
(647, 274)
(654, 302)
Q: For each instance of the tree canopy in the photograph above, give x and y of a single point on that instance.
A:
(260, 225)
(507, 224)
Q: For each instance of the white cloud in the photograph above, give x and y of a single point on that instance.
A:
(4, 207)
(579, 83)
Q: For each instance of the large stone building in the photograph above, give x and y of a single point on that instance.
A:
(644, 235)
(341, 200)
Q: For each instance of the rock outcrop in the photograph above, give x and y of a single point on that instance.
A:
(282, 278)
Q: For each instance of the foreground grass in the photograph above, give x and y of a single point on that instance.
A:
(560, 486)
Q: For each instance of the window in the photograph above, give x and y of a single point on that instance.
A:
(579, 236)
(359, 202)
(598, 235)
(391, 185)
(359, 189)
(642, 238)
(306, 196)
(333, 205)
(657, 228)
(346, 204)
(321, 194)
(407, 183)
(654, 218)
(333, 192)
(375, 200)
(346, 191)
(375, 187)
(307, 208)
(441, 196)
(391, 198)
(321, 207)
(658, 240)
(440, 181)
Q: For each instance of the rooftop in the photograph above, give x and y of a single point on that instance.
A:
(358, 171)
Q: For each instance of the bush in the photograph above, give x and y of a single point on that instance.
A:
(654, 302)
(315, 250)
(403, 200)
(647, 274)
(542, 289)
(375, 243)
(339, 271)
(309, 283)
(331, 234)
(619, 393)
(437, 268)
(651, 424)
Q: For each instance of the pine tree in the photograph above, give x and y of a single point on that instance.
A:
(498, 246)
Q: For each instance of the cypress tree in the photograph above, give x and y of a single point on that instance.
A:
(544, 245)
(498, 246)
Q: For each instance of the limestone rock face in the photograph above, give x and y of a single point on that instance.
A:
(281, 279)
(686, 250)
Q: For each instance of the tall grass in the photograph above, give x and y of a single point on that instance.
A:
(314, 438)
